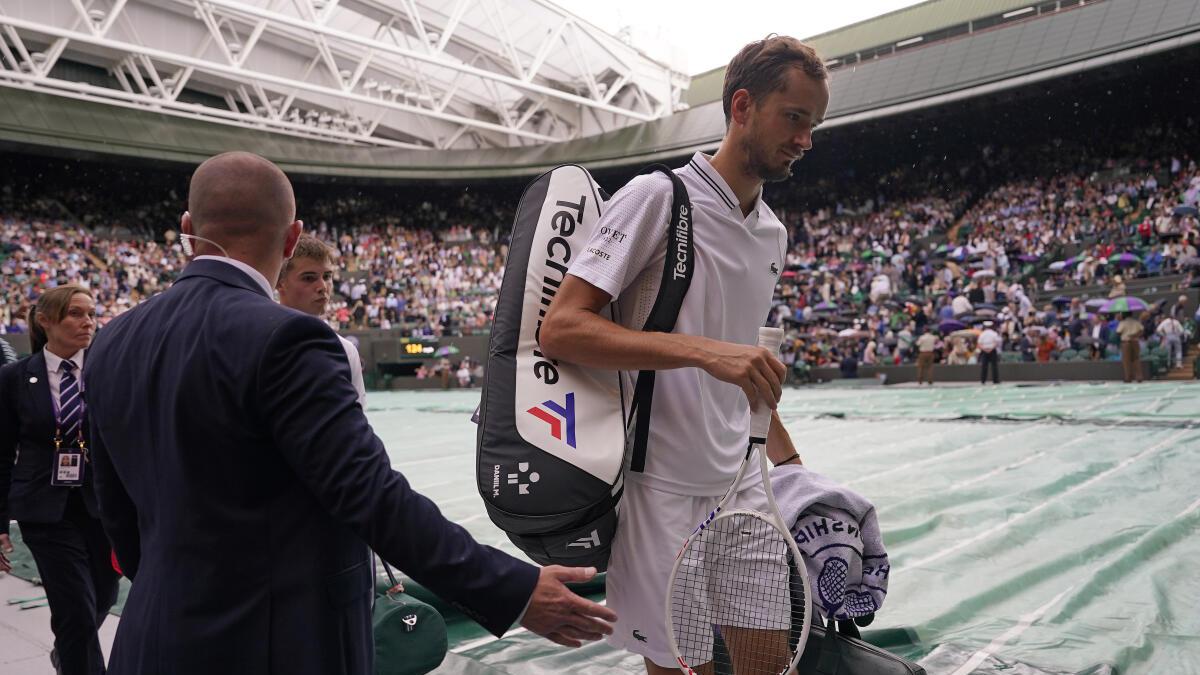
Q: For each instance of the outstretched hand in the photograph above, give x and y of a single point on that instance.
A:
(559, 615)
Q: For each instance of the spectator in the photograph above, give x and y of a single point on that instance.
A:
(1130, 330)
(1171, 332)
(1118, 287)
(1098, 332)
(990, 345)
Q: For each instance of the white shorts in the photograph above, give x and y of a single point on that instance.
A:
(651, 530)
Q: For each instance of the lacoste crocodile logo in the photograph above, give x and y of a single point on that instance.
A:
(638, 636)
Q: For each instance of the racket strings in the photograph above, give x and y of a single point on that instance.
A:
(737, 599)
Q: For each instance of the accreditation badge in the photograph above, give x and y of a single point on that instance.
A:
(67, 470)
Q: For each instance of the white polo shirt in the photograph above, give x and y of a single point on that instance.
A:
(356, 370)
(699, 426)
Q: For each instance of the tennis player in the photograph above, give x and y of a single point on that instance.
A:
(775, 94)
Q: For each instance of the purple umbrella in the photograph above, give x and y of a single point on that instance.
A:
(1028, 257)
(1096, 302)
(1126, 259)
(949, 326)
(825, 307)
(1124, 304)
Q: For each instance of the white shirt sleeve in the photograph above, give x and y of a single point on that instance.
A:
(630, 236)
(356, 371)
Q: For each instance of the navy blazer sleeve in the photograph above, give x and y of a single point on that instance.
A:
(9, 429)
(117, 512)
(311, 410)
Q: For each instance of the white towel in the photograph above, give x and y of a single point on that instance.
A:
(837, 531)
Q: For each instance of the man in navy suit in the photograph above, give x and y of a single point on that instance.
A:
(240, 482)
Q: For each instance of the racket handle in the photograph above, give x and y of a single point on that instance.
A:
(760, 417)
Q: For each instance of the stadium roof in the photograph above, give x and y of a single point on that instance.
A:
(1050, 41)
(423, 74)
(884, 29)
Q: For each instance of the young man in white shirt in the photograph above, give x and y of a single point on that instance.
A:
(306, 284)
(711, 371)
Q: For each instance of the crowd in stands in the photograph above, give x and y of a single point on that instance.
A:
(871, 267)
(864, 292)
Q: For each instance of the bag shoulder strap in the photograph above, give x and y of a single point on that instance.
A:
(678, 264)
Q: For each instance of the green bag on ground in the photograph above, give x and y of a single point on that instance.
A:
(410, 635)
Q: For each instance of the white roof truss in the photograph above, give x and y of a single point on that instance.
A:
(434, 74)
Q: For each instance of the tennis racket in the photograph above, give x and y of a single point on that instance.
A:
(738, 596)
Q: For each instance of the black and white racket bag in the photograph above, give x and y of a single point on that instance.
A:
(552, 435)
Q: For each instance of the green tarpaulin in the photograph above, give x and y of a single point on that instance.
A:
(1032, 529)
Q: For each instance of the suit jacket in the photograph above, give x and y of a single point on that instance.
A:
(27, 447)
(241, 486)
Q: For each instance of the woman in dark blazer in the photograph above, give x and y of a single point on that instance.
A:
(45, 477)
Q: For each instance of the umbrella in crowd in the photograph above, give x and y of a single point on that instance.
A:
(966, 333)
(447, 350)
(1073, 261)
(825, 307)
(853, 333)
(1058, 266)
(867, 255)
(950, 325)
(983, 273)
(1060, 300)
(1186, 210)
(1029, 257)
(1190, 261)
(1126, 259)
(1096, 303)
(1127, 303)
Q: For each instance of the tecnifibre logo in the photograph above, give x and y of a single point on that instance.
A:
(564, 413)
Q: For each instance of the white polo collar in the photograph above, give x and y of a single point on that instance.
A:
(716, 185)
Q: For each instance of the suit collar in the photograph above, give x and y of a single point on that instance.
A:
(38, 381)
(35, 365)
(225, 272)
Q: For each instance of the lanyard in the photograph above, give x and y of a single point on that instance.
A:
(58, 419)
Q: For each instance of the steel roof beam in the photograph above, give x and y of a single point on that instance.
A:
(243, 75)
(436, 60)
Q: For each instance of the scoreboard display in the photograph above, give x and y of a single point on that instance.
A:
(418, 348)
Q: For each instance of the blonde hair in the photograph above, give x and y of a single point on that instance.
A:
(308, 247)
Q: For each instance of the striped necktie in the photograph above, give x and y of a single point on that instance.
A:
(70, 404)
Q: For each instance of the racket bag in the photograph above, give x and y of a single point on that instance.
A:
(552, 436)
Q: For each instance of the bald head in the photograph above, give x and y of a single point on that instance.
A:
(241, 197)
